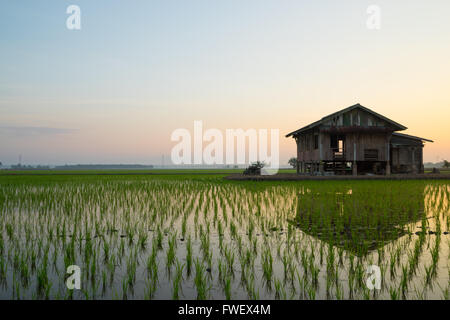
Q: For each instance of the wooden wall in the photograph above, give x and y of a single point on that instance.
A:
(364, 141)
(324, 152)
(407, 158)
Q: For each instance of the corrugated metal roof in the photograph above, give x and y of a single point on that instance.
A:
(407, 136)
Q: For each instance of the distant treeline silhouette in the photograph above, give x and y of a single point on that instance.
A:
(82, 167)
(102, 166)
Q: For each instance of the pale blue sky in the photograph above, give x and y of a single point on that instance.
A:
(115, 90)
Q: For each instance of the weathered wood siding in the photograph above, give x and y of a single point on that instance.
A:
(407, 158)
(306, 148)
(360, 129)
(360, 141)
(356, 118)
(407, 155)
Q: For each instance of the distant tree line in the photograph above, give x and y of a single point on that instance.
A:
(29, 167)
(103, 166)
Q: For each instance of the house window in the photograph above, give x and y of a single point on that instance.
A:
(316, 142)
(333, 142)
(370, 154)
(337, 141)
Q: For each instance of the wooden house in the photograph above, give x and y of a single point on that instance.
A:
(357, 140)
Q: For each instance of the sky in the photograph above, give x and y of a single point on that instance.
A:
(114, 91)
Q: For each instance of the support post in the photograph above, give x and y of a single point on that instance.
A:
(354, 164)
(321, 167)
(388, 156)
(388, 168)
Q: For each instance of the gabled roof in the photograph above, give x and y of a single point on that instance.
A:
(407, 136)
(319, 122)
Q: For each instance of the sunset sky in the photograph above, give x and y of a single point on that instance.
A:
(114, 91)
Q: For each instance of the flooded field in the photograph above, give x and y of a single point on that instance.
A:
(201, 237)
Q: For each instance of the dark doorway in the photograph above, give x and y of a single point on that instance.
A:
(337, 144)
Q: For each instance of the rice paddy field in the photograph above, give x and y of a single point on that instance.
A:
(202, 237)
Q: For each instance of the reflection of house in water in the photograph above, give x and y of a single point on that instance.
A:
(353, 222)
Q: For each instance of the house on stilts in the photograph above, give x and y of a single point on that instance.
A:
(357, 140)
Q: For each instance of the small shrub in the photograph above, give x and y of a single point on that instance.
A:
(254, 168)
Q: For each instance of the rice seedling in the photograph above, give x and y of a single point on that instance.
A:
(229, 256)
(227, 288)
(445, 294)
(177, 280)
(170, 257)
(267, 265)
(189, 256)
(200, 281)
(280, 292)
